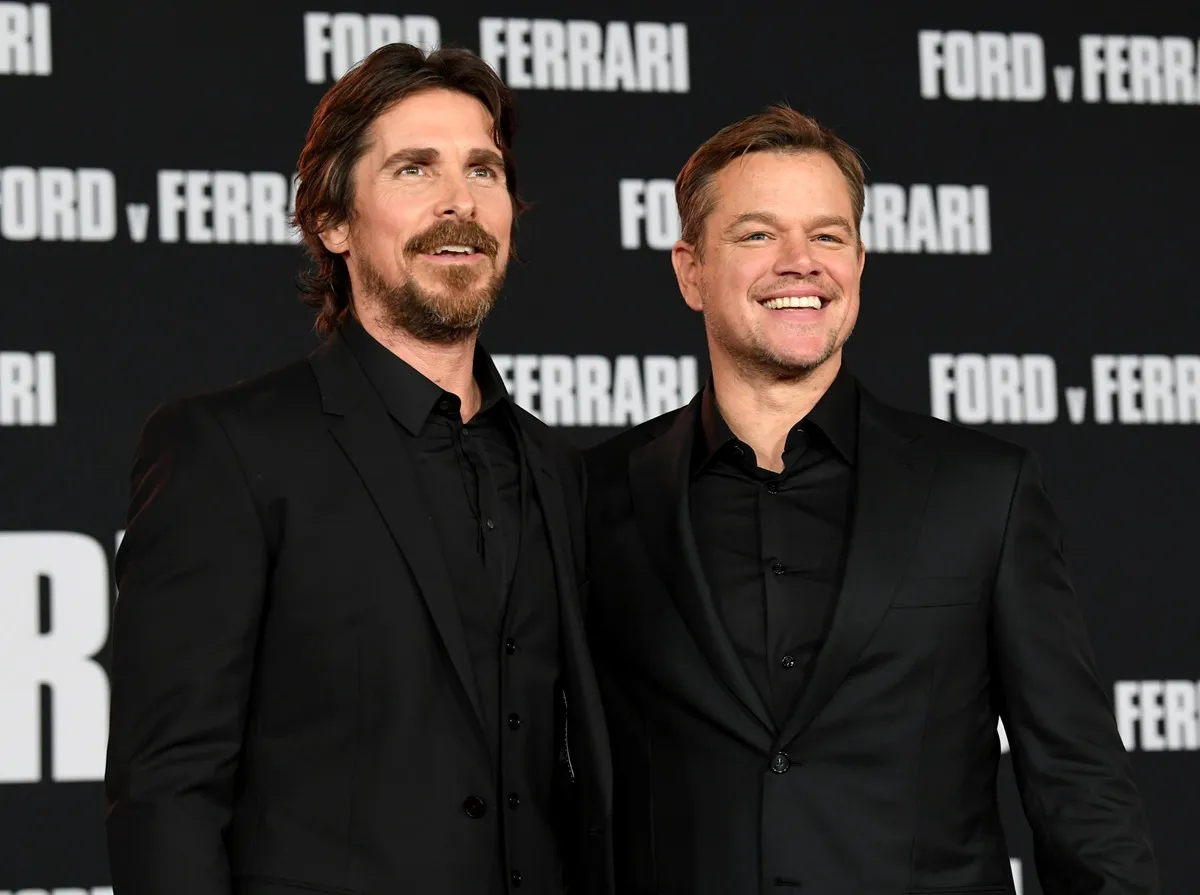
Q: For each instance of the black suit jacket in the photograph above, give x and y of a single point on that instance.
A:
(291, 700)
(955, 608)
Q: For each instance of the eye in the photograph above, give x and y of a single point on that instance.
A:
(483, 171)
(409, 169)
(830, 236)
(754, 237)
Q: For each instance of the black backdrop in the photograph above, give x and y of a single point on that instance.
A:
(1030, 271)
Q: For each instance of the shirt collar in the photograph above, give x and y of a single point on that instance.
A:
(835, 416)
(409, 395)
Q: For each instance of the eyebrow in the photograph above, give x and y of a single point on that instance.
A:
(830, 220)
(486, 157)
(411, 155)
(427, 155)
(766, 217)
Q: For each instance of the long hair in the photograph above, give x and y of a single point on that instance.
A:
(341, 132)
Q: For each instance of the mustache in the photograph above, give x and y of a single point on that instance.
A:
(828, 288)
(451, 232)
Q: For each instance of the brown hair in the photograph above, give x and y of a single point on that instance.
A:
(341, 132)
(778, 129)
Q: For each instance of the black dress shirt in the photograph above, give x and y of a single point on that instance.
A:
(773, 545)
(471, 472)
(492, 533)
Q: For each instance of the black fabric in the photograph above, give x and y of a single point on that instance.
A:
(955, 609)
(296, 697)
(490, 526)
(772, 545)
(519, 670)
(470, 472)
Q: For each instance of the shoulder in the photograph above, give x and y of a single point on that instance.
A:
(611, 456)
(262, 403)
(955, 445)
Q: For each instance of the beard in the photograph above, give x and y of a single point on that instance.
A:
(754, 354)
(453, 310)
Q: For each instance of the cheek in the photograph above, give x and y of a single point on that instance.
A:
(736, 281)
(737, 273)
(845, 271)
(496, 213)
(396, 216)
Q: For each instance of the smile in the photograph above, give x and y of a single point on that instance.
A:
(814, 302)
(454, 254)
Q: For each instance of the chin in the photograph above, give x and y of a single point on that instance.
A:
(797, 360)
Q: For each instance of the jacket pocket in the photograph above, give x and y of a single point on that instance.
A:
(957, 590)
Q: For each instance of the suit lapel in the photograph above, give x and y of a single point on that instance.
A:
(360, 424)
(892, 482)
(550, 497)
(580, 677)
(659, 473)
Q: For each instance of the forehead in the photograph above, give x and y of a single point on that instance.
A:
(783, 183)
(434, 118)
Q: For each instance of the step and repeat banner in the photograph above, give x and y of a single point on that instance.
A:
(1032, 241)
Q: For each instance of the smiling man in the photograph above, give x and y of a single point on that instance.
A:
(808, 609)
(348, 654)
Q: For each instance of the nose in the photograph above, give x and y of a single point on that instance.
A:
(796, 257)
(455, 199)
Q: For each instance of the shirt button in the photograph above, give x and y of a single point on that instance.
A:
(510, 646)
(490, 523)
(514, 721)
(777, 568)
(772, 488)
(737, 449)
(516, 878)
(788, 662)
(514, 800)
(780, 763)
(475, 807)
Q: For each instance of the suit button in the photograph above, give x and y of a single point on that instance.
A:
(772, 488)
(780, 763)
(510, 646)
(788, 662)
(516, 878)
(475, 807)
(778, 568)
(514, 721)
(514, 800)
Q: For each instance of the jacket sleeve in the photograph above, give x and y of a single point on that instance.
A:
(1089, 827)
(191, 578)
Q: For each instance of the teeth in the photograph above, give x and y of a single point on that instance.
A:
(463, 250)
(793, 301)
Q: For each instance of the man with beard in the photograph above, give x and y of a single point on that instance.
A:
(348, 653)
(809, 609)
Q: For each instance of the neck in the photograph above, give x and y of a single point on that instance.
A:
(450, 365)
(760, 408)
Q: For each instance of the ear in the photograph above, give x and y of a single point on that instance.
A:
(337, 239)
(687, 274)
(862, 257)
